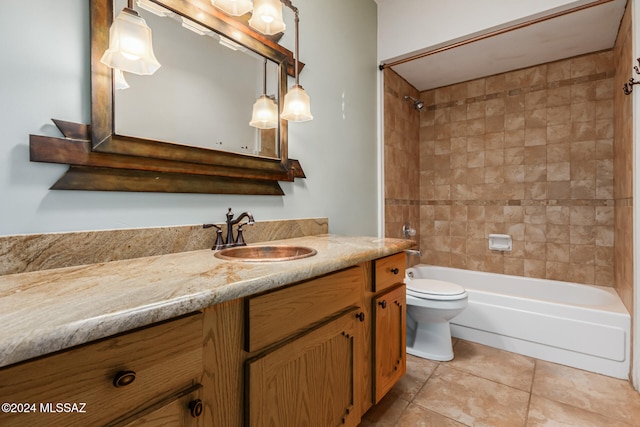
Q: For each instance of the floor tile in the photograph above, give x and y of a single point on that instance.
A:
(592, 392)
(385, 413)
(417, 416)
(418, 371)
(472, 400)
(544, 412)
(507, 368)
(486, 387)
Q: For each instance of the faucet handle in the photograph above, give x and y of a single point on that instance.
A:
(239, 239)
(219, 241)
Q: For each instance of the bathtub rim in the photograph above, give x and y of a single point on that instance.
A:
(616, 306)
(611, 315)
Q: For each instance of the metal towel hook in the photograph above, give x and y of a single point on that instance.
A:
(627, 88)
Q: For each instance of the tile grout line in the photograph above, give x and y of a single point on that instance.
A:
(533, 376)
(439, 364)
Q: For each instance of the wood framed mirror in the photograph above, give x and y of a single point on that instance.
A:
(101, 159)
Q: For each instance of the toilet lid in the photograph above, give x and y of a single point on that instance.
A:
(434, 288)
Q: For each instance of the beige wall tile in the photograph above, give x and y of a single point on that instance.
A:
(560, 70)
(558, 171)
(535, 136)
(534, 159)
(557, 270)
(558, 214)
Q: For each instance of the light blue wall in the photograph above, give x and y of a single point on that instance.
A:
(45, 74)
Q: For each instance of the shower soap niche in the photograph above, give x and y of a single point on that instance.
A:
(500, 242)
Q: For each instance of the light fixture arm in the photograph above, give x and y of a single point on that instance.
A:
(297, 21)
(130, 8)
(290, 6)
(264, 78)
(296, 102)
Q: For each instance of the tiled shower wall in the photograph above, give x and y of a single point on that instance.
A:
(401, 156)
(623, 164)
(527, 153)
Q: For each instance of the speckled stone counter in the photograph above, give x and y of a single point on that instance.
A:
(50, 310)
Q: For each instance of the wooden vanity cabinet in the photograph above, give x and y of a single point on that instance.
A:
(390, 340)
(316, 353)
(308, 381)
(288, 357)
(307, 337)
(112, 381)
(388, 304)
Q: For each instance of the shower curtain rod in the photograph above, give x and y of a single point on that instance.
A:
(494, 33)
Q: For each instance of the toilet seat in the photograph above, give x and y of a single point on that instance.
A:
(435, 289)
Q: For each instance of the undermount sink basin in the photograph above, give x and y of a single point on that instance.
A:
(265, 253)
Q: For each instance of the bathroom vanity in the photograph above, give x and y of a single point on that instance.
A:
(203, 341)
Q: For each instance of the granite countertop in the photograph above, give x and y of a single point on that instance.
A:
(45, 311)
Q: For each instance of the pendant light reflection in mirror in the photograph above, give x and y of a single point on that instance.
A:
(267, 18)
(265, 109)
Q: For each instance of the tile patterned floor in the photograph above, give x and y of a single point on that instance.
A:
(487, 387)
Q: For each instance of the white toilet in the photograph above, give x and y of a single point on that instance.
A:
(431, 304)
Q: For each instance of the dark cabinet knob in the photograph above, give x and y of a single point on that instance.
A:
(360, 316)
(123, 378)
(395, 271)
(196, 408)
(383, 304)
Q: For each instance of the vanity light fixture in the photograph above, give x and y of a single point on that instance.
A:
(265, 109)
(130, 46)
(233, 7)
(267, 17)
(297, 106)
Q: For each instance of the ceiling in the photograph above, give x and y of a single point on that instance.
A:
(552, 38)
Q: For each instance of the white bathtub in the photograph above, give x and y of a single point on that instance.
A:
(583, 326)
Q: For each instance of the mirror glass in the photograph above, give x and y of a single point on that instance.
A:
(203, 93)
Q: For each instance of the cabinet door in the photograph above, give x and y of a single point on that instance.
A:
(389, 360)
(308, 381)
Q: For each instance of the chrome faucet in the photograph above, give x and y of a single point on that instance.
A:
(229, 242)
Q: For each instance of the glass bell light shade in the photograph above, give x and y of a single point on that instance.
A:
(119, 82)
(130, 47)
(267, 17)
(265, 113)
(233, 7)
(297, 106)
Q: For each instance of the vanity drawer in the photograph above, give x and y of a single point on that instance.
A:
(282, 313)
(164, 359)
(389, 271)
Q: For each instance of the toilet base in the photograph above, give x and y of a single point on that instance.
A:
(430, 341)
(430, 356)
